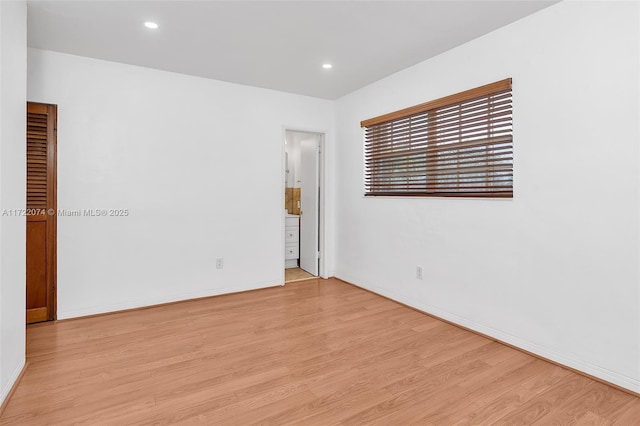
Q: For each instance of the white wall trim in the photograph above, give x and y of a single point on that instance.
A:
(12, 381)
(575, 363)
(152, 301)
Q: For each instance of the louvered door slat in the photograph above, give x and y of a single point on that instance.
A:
(37, 150)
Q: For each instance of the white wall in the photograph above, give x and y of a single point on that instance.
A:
(13, 86)
(555, 269)
(199, 164)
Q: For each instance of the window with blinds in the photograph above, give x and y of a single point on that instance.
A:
(457, 146)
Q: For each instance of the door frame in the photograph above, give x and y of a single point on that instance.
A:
(322, 269)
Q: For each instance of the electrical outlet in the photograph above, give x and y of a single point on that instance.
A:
(419, 272)
(219, 263)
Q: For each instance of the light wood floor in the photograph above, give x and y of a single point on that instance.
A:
(296, 274)
(309, 353)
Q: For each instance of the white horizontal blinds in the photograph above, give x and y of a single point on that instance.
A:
(460, 145)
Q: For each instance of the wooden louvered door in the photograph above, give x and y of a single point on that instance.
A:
(41, 212)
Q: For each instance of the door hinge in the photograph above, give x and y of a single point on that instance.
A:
(318, 254)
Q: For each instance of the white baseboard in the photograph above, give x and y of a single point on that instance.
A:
(151, 301)
(594, 370)
(12, 380)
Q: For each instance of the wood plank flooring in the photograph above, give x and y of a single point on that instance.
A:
(296, 274)
(309, 353)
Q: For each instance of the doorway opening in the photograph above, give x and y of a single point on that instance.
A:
(302, 204)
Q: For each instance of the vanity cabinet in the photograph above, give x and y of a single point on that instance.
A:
(291, 241)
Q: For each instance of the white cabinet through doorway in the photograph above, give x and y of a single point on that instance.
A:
(291, 241)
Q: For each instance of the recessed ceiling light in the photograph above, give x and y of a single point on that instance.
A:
(327, 66)
(151, 25)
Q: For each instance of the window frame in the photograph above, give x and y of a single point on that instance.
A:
(412, 147)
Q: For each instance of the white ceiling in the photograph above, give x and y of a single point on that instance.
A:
(278, 45)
